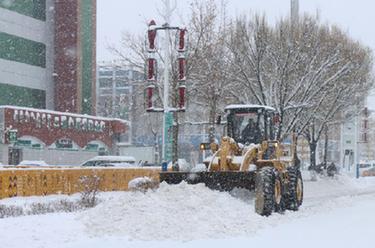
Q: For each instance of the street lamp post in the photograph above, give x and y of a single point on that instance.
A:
(166, 77)
(152, 77)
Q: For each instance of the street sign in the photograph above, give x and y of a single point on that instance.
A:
(12, 135)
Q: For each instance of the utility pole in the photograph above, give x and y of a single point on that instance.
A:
(152, 78)
(294, 11)
(167, 15)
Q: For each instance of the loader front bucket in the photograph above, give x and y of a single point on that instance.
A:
(223, 180)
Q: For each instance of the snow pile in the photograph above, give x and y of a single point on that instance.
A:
(336, 213)
(142, 184)
(26, 201)
(199, 168)
(190, 212)
(340, 185)
(180, 165)
(179, 212)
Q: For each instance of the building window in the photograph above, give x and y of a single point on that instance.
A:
(22, 50)
(64, 144)
(365, 124)
(364, 137)
(32, 8)
(122, 83)
(105, 82)
(36, 146)
(122, 73)
(105, 73)
(24, 143)
(92, 147)
(137, 75)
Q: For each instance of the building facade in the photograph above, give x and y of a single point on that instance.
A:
(47, 54)
(118, 92)
(48, 84)
(56, 137)
(358, 138)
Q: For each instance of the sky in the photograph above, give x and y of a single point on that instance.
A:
(117, 16)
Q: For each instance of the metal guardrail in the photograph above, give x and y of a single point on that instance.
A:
(46, 181)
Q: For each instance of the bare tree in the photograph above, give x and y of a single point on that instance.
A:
(209, 70)
(134, 52)
(310, 73)
(345, 94)
(90, 189)
(207, 66)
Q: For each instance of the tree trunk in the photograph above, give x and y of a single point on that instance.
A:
(312, 145)
(211, 120)
(297, 161)
(279, 127)
(313, 168)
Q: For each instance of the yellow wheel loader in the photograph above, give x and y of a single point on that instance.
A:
(250, 157)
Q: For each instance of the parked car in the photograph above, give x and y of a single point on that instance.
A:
(118, 164)
(38, 163)
(369, 172)
(110, 161)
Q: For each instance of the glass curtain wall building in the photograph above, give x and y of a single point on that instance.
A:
(47, 54)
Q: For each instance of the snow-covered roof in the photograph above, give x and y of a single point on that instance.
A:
(239, 106)
(113, 158)
(33, 163)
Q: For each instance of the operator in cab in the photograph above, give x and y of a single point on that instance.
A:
(250, 134)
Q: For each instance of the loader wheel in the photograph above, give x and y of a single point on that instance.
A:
(294, 197)
(269, 192)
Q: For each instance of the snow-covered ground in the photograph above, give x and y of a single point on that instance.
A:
(336, 213)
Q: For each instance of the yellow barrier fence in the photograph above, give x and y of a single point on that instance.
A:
(46, 181)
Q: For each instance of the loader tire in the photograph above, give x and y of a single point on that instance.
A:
(269, 192)
(294, 195)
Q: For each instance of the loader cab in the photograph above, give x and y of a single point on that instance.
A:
(249, 124)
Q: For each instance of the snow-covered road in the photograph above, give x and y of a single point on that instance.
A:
(335, 213)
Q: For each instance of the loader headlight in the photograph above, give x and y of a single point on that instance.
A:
(204, 146)
(201, 146)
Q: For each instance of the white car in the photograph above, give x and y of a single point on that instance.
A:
(112, 161)
(39, 163)
(116, 164)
